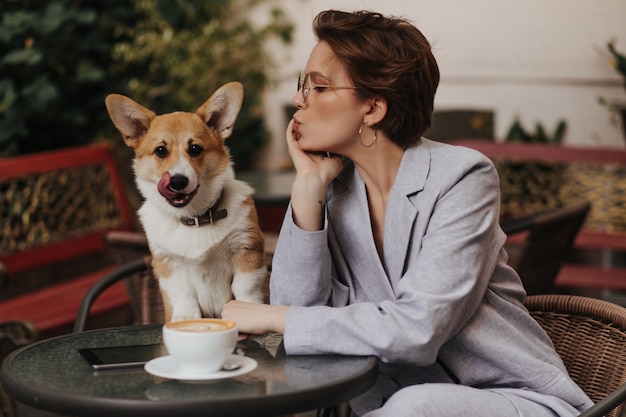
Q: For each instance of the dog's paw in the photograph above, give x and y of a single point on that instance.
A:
(251, 286)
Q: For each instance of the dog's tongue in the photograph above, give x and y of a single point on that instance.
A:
(164, 187)
(175, 198)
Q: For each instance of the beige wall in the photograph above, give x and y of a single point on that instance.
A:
(542, 60)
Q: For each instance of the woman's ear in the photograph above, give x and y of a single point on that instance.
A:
(376, 111)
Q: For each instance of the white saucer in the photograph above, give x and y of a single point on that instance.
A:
(167, 367)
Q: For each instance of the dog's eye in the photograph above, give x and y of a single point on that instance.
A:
(161, 151)
(194, 150)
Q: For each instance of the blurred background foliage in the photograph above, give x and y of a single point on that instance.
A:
(60, 58)
(518, 133)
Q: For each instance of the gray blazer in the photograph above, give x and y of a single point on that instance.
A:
(442, 305)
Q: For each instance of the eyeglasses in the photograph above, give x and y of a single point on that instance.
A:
(304, 84)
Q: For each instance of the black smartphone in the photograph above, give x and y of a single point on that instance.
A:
(121, 356)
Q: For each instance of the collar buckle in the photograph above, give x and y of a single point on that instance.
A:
(209, 217)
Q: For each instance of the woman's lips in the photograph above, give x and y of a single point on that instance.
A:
(296, 126)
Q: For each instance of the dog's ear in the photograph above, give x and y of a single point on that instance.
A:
(221, 109)
(129, 117)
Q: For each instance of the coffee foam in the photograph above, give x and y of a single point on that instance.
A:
(205, 325)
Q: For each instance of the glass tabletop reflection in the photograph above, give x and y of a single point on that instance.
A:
(52, 375)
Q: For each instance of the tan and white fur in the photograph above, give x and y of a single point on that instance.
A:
(182, 168)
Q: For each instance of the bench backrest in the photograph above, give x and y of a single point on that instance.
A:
(57, 205)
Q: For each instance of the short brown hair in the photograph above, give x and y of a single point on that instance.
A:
(385, 57)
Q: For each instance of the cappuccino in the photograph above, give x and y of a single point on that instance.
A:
(201, 325)
(200, 345)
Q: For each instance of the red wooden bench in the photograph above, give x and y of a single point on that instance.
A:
(537, 177)
(55, 207)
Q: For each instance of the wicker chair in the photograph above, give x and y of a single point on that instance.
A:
(550, 239)
(590, 336)
(143, 288)
(138, 268)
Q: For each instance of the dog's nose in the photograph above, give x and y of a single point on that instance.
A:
(178, 182)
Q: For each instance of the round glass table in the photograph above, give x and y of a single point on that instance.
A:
(51, 375)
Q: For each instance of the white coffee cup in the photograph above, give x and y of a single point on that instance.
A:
(200, 345)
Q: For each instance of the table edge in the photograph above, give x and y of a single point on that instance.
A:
(59, 402)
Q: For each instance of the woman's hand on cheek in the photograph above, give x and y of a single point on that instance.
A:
(252, 318)
(310, 163)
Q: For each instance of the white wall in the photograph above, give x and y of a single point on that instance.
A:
(541, 60)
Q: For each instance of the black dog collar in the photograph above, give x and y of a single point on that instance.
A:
(209, 217)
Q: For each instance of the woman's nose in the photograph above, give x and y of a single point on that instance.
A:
(297, 99)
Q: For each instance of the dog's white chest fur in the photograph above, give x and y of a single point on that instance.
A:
(203, 275)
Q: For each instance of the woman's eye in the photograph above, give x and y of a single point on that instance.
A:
(161, 151)
(320, 88)
(194, 150)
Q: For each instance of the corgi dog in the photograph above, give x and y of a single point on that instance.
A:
(200, 221)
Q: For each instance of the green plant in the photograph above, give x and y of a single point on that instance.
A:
(517, 133)
(53, 71)
(531, 183)
(59, 59)
(187, 49)
(618, 61)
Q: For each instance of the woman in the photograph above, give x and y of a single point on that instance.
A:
(391, 245)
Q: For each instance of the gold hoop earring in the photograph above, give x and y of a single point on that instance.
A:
(361, 139)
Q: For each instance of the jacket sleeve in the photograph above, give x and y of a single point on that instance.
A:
(302, 273)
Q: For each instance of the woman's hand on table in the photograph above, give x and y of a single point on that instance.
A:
(252, 318)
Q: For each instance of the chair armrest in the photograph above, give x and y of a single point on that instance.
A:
(607, 404)
(122, 237)
(517, 224)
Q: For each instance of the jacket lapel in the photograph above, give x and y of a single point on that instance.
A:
(352, 230)
(401, 210)
(352, 226)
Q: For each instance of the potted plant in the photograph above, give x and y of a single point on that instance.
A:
(517, 133)
(531, 186)
(618, 61)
